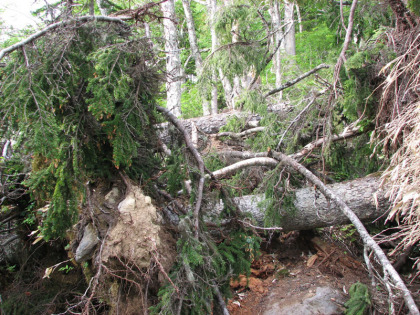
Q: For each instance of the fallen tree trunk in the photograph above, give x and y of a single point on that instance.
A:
(363, 196)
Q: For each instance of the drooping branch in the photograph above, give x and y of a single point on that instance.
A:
(294, 81)
(54, 26)
(366, 238)
(171, 117)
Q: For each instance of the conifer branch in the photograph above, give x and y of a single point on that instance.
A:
(178, 124)
(54, 26)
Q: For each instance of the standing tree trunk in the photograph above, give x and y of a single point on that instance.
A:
(212, 7)
(173, 60)
(289, 35)
(92, 7)
(195, 52)
(102, 8)
(227, 87)
(277, 36)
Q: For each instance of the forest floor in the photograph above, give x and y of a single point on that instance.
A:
(303, 274)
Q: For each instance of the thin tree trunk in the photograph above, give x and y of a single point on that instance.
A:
(278, 36)
(102, 8)
(289, 36)
(173, 60)
(212, 7)
(195, 52)
(92, 7)
(299, 18)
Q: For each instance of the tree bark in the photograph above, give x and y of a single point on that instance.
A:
(102, 8)
(173, 60)
(195, 52)
(363, 195)
(289, 36)
(278, 36)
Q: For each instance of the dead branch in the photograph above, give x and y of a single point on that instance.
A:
(342, 57)
(239, 134)
(366, 238)
(54, 26)
(294, 81)
(220, 299)
(349, 132)
(296, 119)
(177, 123)
(259, 161)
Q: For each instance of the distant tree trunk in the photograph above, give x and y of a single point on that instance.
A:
(289, 36)
(278, 36)
(102, 8)
(195, 52)
(173, 60)
(212, 7)
(299, 17)
(92, 7)
(236, 91)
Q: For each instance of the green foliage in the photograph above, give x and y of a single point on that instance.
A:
(350, 160)
(359, 301)
(175, 173)
(414, 6)
(203, 263)
(279, 199)
(311, 51)
(191, 101)
(83, 107)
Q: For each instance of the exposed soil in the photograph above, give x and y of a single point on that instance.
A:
(291, 270)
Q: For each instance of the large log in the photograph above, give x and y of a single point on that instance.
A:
(363, 196)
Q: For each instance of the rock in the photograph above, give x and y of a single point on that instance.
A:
(10, 249)
(87, 244)
(320, 303)
(113, 197)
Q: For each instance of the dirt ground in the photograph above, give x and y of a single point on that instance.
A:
(291, 269)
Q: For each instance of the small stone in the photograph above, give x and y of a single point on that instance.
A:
(89, 241)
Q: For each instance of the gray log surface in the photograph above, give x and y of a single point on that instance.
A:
(362, 195)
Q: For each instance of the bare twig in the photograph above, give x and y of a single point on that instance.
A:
(342, 57)
(294, 121)
(296, 80)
